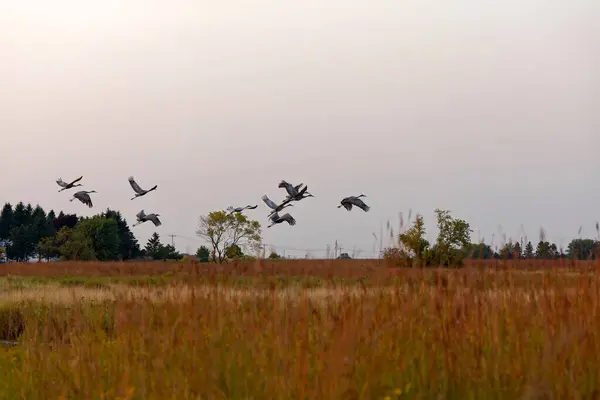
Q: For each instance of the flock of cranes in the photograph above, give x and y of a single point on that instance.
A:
(295, 193)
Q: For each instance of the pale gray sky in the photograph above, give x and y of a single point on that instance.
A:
(485, 108)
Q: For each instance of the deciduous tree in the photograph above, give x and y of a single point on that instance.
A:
(222, 230)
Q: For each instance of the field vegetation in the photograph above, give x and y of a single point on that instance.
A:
(446, 319)
(299, 329)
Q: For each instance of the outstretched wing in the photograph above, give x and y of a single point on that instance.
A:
(288, 218)
(269, 202)
(76, 180)
(140, 215)
(135, 186)
(347, 205)
(154, 220)
(84, 198)
(360, 204)
(61, 183)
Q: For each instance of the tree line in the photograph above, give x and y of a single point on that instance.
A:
(31, 232)
(453, 245)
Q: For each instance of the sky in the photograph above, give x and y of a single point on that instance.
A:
(487, 109)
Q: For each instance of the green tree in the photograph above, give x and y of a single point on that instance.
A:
(222, 230)
(233, 251)
(274, 256)
(154, 247)
(414, 241)
(103, 236)
(20, 216)
(582, 249)
(481, 251)
(47, 249)
(128, 244)
(203, 254)
(546, 250)
(517, 251)
(50, 218)
(529, 252)
(40, 223)
(28, 213)
(62, 220)
(74, 244)
(6, 221)
(507, 251)
(23, 242)
(454, 235)
(169, 252)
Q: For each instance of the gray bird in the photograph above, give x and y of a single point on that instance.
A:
(69, 185)
(137, 189)
(240, 209)
(348, 202)
(276, 219)
(143, 217)
(302, 194)
(84, 197)
(291, 189)
(273, 206)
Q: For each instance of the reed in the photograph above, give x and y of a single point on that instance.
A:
(510, 332)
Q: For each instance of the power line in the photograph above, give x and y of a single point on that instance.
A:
(282, 247)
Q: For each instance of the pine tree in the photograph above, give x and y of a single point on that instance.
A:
(20, 215)
(154, 246)
(528, 251)
(203, 254)
(128, 244)
(6, 221)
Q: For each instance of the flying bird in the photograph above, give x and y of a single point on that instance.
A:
(137, 189)
(348, 202)
(143, 217)
(276, 219)
(291, 189)
(70, 185)
(298, 196)
(240, 209)
(84, 197)
(273, 206)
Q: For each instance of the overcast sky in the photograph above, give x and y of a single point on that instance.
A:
(489, 109)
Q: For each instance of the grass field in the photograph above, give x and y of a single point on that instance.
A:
(303, 329)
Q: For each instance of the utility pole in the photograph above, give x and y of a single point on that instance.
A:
(335, 250)
(172, 239)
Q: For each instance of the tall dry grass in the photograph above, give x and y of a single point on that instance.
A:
(470, 333)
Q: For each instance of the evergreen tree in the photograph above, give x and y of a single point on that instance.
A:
(128, 244)
(528, 254)
(23, 243)
(6, 221)
(154, 246)
(203, 254)
(65, 220)
(50, 218)
(517, 251)
(20, 216)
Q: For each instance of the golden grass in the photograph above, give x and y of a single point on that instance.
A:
(470, 333)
